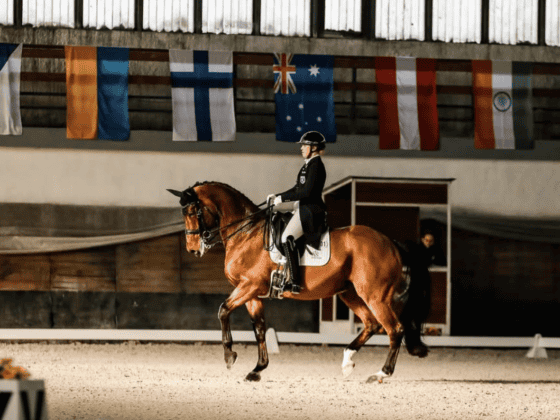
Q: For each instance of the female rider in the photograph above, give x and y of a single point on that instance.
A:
(309, 207)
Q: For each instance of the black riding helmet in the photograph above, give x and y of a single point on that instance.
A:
(313, 138)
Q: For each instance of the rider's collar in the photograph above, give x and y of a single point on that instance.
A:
(307, 160)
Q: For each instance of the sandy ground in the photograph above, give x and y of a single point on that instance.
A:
(188, 381)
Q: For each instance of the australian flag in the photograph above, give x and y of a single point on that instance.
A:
(304, 96)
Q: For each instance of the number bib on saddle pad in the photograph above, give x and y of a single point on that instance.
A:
(311, 257)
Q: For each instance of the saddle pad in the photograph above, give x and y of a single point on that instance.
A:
(311, 257)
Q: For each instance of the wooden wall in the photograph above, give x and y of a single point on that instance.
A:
(504, 287)
(154, 283)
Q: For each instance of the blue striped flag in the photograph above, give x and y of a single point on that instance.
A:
(10, 71)
(97, 93)
(304, 96)
(202, 95)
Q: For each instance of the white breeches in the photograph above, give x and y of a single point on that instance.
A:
(294, 227)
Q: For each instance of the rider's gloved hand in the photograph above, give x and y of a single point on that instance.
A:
(277, 200)
(270, 198)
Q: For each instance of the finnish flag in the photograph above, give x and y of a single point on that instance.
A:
(202, 95)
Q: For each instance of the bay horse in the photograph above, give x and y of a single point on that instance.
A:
(365, 270)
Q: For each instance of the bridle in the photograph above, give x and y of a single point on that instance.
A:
(207, 235)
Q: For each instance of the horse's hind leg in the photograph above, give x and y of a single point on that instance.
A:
(394, 329)
(255, 308)
(371, 326)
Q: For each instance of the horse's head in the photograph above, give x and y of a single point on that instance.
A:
(201, 221)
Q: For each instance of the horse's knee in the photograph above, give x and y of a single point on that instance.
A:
(223, 312)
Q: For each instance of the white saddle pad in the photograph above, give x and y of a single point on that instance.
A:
(311, 257)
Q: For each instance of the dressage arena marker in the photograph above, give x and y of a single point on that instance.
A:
(272, 341)
(537, 352)
(22, 400)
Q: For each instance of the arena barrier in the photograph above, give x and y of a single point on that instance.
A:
(46, 334)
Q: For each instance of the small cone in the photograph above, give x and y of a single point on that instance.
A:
(537, 352)
(272, 341)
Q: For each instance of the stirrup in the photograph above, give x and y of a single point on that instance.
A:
(296, 289)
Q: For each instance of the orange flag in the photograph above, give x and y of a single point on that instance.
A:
(81, 92)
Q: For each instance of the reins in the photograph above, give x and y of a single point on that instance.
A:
(208, 235)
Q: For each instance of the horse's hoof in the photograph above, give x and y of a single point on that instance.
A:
(348, 369)
(378, 377)
(421, 351)
(253, 377)
(230, 359)
(374, 378)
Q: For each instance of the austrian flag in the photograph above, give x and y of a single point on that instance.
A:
(407, 103)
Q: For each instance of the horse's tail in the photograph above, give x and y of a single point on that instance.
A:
(417, 300)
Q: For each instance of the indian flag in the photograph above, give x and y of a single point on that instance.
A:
(503, 111)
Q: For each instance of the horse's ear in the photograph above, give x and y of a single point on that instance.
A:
(177, 193)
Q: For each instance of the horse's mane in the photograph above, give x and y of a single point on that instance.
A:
(229, 187)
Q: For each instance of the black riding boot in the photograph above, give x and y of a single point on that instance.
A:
(292, 256)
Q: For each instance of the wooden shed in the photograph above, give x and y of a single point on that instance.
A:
(391, 206)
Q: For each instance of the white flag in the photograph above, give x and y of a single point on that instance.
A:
(10, 75)
(202, 95)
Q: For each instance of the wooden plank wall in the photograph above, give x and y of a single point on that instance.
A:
(158, 265)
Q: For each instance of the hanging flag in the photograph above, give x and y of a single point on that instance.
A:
(97, 93)
(503, 110)
(407, 103)
(303, 90)
(202, 95)
(10, 76)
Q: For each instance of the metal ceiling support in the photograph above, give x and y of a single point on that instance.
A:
(485, 21)
(139, 15)
(18, 15)
(198, 16)
(256, 17)
(541, 25)
(368, 19)
(78, 14)
(317, 18)
(428, 10)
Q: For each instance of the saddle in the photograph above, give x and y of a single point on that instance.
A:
(279, 222)
(313, 251)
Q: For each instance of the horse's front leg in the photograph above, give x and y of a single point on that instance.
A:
(255, 308)
(237, 298)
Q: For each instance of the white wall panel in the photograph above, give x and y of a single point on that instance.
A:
(127, 178)
(227, 16)
(7, 12)
(456, 20)
(286, 17)
(343, 15)
(513, 21)
(552, 34)
(47, 12)
(109, 14)
(399, 19)
(169, 15)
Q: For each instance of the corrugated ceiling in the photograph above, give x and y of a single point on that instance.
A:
(510, 21)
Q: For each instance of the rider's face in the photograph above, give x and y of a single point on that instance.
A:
(305, 150)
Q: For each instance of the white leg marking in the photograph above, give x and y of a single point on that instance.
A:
(347, 363)
(380, 376)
